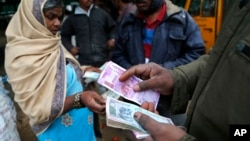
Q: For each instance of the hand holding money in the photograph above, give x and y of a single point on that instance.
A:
(155, 77)
(109, 78)
(121, 115)
(157, 130)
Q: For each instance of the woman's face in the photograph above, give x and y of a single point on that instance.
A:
(53, 19)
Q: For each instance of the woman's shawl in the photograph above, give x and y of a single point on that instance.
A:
(35, 65)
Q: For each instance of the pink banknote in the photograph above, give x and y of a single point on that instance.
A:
(110, 78)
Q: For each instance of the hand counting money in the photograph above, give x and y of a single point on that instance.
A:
(109, 78)
(121, 115)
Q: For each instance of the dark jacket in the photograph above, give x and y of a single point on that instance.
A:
(91, 34)
(219, 82)
(177, 40)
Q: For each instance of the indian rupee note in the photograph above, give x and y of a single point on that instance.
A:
(110, 78)
(120, 114)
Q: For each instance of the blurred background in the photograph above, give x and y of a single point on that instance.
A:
(207, 13)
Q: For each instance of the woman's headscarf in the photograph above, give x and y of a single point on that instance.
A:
(35, 64)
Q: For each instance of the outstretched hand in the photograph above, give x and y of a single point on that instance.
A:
(94, 102)
(155, 76)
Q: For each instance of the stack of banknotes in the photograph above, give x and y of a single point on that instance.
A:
(120, 114)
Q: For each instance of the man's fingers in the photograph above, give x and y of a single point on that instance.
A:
(137, 70)
(144, 85)
(148, 106)
(146, 122)
(147, 84)
(148, 72)
(127, 74)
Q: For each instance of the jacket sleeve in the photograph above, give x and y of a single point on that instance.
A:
(67, 31)
(185, 80)
(110, 26)
(193, 46)
(119, 54)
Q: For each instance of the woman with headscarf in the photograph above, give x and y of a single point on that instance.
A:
(45, 78)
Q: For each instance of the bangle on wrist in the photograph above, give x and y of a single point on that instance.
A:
(77, 101)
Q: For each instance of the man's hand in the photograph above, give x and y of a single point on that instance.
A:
(111, 43)
(149, 106)
(158, 131)
(74, 50)
(93, 101)
(155, 76)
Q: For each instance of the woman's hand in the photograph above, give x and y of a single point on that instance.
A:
(93, 101)
(90, 68)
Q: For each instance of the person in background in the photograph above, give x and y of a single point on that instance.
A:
(108, 6)
(218, 100)
(45, 77)
(123, 7)
(159, 32)
(93, 29)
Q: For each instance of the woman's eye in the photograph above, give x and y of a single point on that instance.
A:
(50, 17)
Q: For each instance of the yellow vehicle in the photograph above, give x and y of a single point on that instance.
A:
(208, 14)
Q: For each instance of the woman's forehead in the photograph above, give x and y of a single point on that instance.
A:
(40, 5)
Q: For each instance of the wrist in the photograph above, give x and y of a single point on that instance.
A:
(77, 101)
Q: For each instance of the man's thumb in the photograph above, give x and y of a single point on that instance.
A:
(146, 122)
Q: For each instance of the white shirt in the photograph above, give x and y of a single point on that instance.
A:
(79, 10)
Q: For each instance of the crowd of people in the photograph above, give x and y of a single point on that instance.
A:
(155, 40)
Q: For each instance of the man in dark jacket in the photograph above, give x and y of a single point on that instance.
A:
(94, 34)
(159, 32)
(217, 83)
